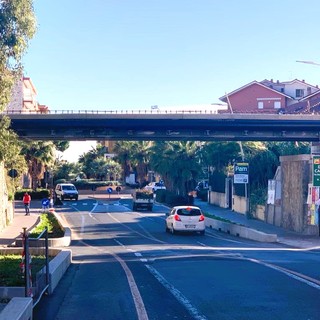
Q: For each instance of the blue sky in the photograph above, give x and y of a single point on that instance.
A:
(131, 54)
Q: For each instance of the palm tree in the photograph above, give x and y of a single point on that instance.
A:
(134, 156)
(178, 163)
(140, 158)
(38, 155)
(123, 155)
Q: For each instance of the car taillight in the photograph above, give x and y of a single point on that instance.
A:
(201, 218)
(176, 217)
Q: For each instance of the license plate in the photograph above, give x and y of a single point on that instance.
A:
(190, 226)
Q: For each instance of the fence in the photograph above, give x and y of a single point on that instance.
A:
(37, 285)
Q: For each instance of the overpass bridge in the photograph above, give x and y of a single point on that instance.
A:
(155, 125)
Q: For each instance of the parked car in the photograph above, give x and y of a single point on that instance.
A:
(154, 186)
(185, 219)
(66, 191)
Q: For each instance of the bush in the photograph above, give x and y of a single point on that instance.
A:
(49, 221)
(61, 181)
(35, 195)
(91, 184)
(203, 194)
(161, 195)
(258, 197)
(217, 181)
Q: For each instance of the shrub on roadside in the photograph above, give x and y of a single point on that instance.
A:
(35, 195)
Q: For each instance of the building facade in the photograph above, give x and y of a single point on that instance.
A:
(24, 98)
(273, 97)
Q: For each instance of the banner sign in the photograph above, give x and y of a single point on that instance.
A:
(316, 171)
(241, 172)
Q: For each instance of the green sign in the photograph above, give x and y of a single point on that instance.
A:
(316, 171)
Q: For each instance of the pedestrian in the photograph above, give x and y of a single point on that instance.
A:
(26, 201)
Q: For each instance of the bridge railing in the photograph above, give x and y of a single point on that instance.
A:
(8, 112)
(157, 111)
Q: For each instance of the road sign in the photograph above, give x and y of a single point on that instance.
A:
(13, 173)
(316, 171)
(109, 190)
(45, 202)
(241, 172)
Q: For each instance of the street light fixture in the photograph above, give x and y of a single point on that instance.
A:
(308, 62)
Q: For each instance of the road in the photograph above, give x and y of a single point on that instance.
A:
(125, 266)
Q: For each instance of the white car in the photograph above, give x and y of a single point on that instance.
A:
(154, 186)
(185, 219)
(66, 191)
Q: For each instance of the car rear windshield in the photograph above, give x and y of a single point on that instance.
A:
(68, 187)
(189, 212)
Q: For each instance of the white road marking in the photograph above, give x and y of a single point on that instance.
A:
(292, 274)
(137, 299)
(177, 294)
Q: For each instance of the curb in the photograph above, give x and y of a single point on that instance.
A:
(240, 231)
(64, 241)
(20, 307)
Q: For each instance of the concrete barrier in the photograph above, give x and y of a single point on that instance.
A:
(240, 231)
(18, 309)
(53, 242)
(57, 267)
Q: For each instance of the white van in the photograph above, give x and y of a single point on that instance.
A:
(66, 191)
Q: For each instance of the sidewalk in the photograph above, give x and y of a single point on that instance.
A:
(287, 237)
(20, 221)
(294, 239)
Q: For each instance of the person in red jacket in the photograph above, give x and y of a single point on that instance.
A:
(26, 201)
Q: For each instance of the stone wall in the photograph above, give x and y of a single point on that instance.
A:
(295, 177)
(6, 207)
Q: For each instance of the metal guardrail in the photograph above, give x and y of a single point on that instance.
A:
(157, 111)
(203, 111)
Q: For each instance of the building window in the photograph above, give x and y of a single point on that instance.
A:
(299, 93)
(277, 104)
(260, 105)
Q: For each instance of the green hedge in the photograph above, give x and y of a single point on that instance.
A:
(203, 194)
(171, 199)
(85, 184)
(217, 181)
(35, 195)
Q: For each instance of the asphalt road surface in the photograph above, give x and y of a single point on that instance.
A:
(125, 266)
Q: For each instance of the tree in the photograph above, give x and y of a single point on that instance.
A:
(178, 164)
(10, 147)
(123, 150)
(62, 145)
(140, 158)
(38, 155)
(88, 158)
(66, 171)
(219, 154)
(134, 156)
(288, 148)
(17, 27)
